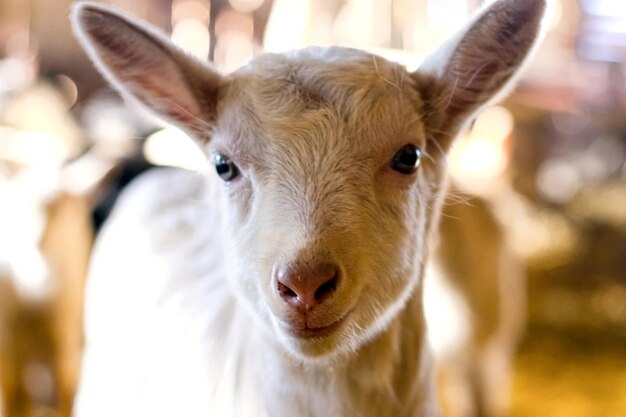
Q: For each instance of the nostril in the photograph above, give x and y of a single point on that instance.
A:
(326, 290)
(286, 292)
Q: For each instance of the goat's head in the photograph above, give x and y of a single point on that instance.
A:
(331, 159)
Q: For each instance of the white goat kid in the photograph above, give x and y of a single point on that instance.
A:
(290, 283)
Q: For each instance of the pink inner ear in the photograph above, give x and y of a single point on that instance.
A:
(142, 65)
(472, 81)
(165, 97)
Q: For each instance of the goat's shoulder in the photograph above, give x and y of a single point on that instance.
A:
(152, 297)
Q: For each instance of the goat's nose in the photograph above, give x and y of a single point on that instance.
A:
(307, 287)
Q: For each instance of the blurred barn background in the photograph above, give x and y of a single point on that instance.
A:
(549, 161)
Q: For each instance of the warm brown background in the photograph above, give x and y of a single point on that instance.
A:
(566, 162)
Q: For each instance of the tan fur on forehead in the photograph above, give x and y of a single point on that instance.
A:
(292, 93)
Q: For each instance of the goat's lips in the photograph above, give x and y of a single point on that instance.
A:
(306, 332)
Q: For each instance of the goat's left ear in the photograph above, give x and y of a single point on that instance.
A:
(477, 65)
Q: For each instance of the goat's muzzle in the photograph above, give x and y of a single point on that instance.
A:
(308, 290)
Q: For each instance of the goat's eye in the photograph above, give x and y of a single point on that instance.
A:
(226, 169)
(407, 159)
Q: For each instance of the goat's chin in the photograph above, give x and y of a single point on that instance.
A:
(311, 349)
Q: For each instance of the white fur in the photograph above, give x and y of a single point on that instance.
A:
(183, 312)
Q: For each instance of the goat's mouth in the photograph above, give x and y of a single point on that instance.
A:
(306, 332)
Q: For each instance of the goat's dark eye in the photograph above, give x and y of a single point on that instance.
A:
(226, 169)
(407, 159)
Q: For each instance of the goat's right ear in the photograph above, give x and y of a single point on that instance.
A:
(141, 62)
